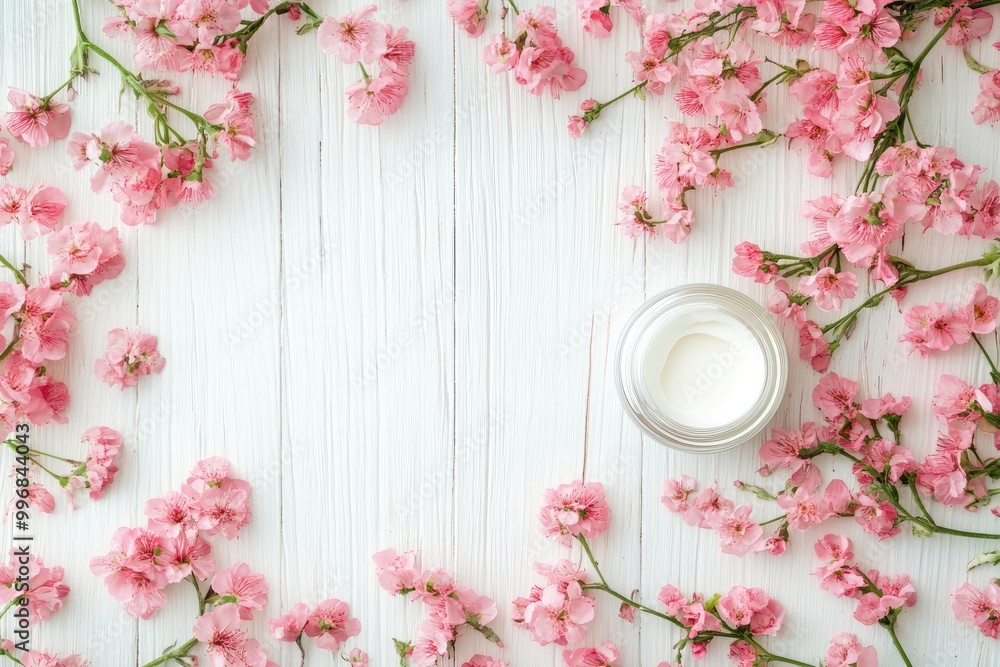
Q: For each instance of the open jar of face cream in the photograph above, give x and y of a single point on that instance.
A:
(701, 368)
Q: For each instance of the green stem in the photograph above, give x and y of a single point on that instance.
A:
(899, 647)
(201, 596)
(760, 142)
(920, 504)
(767, 656)
(774, 520)
(593, 561)
(989, 359)
(513, 6)
(181, 651)
(7, 607)
(10, 348)
(17, 273)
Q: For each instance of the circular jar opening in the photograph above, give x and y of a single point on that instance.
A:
(701, 368)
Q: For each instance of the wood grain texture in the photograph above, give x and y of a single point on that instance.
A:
(401, 335)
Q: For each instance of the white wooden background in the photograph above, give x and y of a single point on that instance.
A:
(402, 335)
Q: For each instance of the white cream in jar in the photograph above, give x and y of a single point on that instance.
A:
(704, 369)
(701, 368)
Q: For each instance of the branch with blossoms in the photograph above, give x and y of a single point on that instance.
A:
(533, 53)
(330, 623)
(881, 598)
(558, 611)
(210, 36)
(95, 473)
(866, 432)
(31, 592)
(173, 548)
(449, 607)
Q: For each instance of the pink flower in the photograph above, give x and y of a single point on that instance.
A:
(834, 396)
(129, 356)
(969, 24)
(935, 327)
(354, 36)
(987, 108)
(359, 657)
(45, 325)
(751, 608)
(955, 400)
(559, 616)
(470, 15)
(233, 114)
(828, 288)
(170, 515)
(396, 572)
(35, 122)
(981, 311)
(749, 262)
(742, 654)
(332, 624)
(648, 67)
(184, 555)
(484, 661)
(784, 447)
(739, 534)
(118, 151)
(38, 211)
(576, 126)
(103, 446)
(34, 658)
(672, 599)
(6, 157)
(834, 550)
(240, 586)
(289, 627)
(225, 643)
(845, 651)
(501, 54)
(676, 491)
(877, 518)
(370, 101)
(84, 255)
(981, 608)
(605, 655)
(220, 509)
(574, 509)
(548, 68)
(25, 576)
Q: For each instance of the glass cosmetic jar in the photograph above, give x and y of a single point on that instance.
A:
(701, 368)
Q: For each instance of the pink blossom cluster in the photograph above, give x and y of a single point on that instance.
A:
(879, 596)
(605, 655)
(84, 255)
(480, 660)
(27, 584)
(846, 651)
(558, 611)
(535, 55)
(939, 327)
(449, 606)
(6, 156)
(330, 622)
(574, 510)
(100, 467)
(45, 591)
(850, 425)
(804, 505)
(37, 210)
(144, 178)
(130, 355)
(843, 111)
(182, 36)
(979, 607)
(686, 161)
(34, 121)
(950, 473)
(748, 610)
(173, 546)
(357, 38)
(595, 15)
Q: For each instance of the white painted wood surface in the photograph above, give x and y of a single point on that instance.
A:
(402, 335)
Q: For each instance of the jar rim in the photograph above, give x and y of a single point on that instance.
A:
(649, 319)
